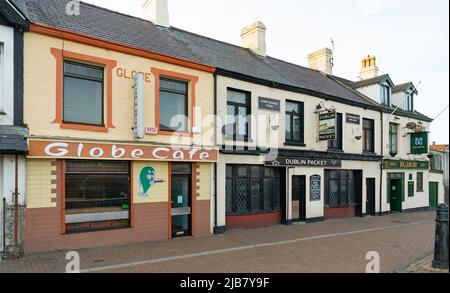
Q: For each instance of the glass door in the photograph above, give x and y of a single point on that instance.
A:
(181, 200)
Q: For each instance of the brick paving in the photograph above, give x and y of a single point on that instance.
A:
(423, 265)
(332, 246)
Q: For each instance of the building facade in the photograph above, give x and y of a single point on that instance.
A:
(13, 133)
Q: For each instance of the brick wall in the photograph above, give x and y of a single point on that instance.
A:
(340, 213)
(253, 221)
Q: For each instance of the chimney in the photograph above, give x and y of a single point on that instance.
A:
(321, 60)
(156, 11)
(254, 38)
(369, 68)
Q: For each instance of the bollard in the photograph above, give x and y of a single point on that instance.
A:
(441, 245)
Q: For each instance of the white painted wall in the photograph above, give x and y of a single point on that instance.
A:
(399, 99)
(372, 91)
(8, 187)
(7, 76)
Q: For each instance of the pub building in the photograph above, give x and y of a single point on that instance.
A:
(409, 180)
(117, 149)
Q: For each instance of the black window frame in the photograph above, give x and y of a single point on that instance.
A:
(391, 136)
(350, 194)
(337, 144)
(368, 131)
(248, 106)
(420, 182)
(410, 103)
(301, 115)
(172, 91)
(259, 177)
(72, 75)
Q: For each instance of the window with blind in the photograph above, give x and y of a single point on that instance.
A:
(294, 128)
(393, 139)
(97, 195)
(368, 135)
(173, 105)
(238, 112)
(252, 189)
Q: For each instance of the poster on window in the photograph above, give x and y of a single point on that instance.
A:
(315, 182)
(327, 126)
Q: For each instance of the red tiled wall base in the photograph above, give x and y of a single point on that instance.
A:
(340, 213)
(253, 221)
(43, 230)
(202, 218)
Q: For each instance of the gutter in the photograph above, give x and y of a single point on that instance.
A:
(381, 163)
(215, 144)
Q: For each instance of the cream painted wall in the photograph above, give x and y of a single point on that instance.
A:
(372, 91)
(262, 134)
(157, 193)
(40, 93)
(39, 187)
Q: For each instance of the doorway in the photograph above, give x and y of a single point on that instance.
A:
(396, 195)
(299, 198)
(433, 190)
(181, 200)
(370, 192)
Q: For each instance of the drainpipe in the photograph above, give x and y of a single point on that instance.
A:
(16, 206)
(381, 163)
(215, 143)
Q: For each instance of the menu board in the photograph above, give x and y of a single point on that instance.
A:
(315, 188)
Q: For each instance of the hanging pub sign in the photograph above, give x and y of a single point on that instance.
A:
(315, 182)
(419, 143)
(401, 164)
(304, 162)
(327, 126)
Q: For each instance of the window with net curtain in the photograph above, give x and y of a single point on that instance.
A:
(294, 128)
(173, 105)
(83, 94)
(369, 135)
(393, 139)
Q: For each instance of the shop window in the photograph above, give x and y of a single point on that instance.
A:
(83, 94)
(419, 182)
(97, 195)
(173, 105)
(368, 135)
(386, 95)
(294, 121)
(340, 188)
(393, 139)
(336, 145)
(252, 189)
(238, 115)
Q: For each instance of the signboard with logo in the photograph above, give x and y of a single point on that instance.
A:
(304, 162)
(269, 104)
(419, 143)
(92, 150)
(327, 126)
(315, 183)
(411, 165)
(352, 118)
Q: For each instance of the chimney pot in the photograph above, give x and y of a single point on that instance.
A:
(254, 38)
(156, 11)
(321, 60)
(369, 68)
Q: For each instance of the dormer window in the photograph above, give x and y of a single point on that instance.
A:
(410, 102)
(386, 95)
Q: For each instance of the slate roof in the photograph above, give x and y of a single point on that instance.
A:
(123, 29)
(370, 81)
(13, 140)
(402, 87)
(11, 14)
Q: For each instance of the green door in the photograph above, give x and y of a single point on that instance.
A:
(395, 195)
(433, 194)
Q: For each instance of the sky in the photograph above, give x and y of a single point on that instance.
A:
(410, 38)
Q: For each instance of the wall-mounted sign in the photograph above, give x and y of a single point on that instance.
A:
(419, 143)
(411, 189)
(327, 126)
(147, 179)
(304, 162)
(131, 74)
(315, 183)
(139, 131)
(269, 104)
(152, 130)
(92, 150)
(352, 118)
(412, 165)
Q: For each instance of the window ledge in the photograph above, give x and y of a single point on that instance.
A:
(83, 127)
(242, 139)
(335, 151)
(293, 143)
(369, 153)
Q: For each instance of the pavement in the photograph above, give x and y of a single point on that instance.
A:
(423, 265)
(336, 246)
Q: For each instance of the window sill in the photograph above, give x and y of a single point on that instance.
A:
(335, 151)
(242, 139)
(293, 143)
(83, 127)
(254, 213)
(369, 153)
(68, 233)
(174, 133)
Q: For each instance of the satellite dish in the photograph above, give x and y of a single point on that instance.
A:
(411, 126)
